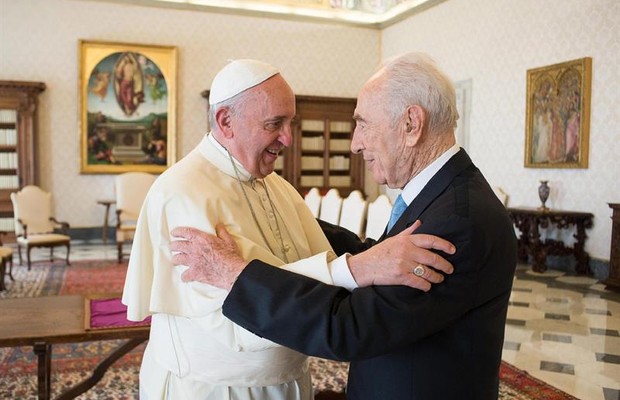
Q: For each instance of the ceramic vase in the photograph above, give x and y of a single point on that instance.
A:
(543, 194)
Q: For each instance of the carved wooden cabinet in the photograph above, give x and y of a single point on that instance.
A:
(18, 142)
(613, 281)
(321, 152)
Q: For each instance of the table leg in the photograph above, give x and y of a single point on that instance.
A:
(105, 223)
(100, 370)
(583, 258)
(44, 369)
(537, 249)
(523, 239)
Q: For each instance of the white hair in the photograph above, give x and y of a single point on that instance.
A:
(414, 78)
(233, 104)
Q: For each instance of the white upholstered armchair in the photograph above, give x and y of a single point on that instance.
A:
(378, 216)
(313, 200)
(331, 204)
(35, 225)
(353, 214)
(131, 189)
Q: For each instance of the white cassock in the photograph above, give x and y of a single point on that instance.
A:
(194, 352)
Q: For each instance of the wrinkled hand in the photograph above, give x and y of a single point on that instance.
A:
(215, 260)
(392, 261)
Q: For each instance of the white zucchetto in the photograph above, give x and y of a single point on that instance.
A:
(238, 76)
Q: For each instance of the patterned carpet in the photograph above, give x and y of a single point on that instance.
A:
(74, 362)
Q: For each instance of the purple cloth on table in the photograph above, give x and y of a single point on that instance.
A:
(111, 313)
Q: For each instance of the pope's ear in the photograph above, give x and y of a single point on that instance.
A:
(223, 121)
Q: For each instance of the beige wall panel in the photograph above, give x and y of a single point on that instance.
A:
(494, 43)
(39, 42)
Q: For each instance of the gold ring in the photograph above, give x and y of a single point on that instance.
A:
(419, 270)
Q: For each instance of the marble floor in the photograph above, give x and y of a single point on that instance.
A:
(565, 330)
(562, 329)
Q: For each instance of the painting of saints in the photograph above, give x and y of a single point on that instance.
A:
(558, 115)
(543, 120)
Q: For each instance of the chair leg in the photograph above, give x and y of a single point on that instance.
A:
(28, 248)
(10, 262)
(51, 254)
(68, 251)
(119, 246)
(19, 251)
(2, 273)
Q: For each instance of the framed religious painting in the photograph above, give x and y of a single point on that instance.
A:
(127, 98)
(558, 115)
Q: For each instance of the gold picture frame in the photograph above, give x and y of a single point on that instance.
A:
(558, 115)
(127, 98)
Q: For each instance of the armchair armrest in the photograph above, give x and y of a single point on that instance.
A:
(64, 226)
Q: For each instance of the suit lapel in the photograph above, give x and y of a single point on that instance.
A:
(438, 183)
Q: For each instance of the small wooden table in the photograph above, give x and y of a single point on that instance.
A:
(529, 220)
(107, 203)
(43, 321)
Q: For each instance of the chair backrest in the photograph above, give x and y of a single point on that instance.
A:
(131, 189)
(353, 212)
(378, 216)
(331, 204)
(501, 195)
(32, 206)
(313, 201)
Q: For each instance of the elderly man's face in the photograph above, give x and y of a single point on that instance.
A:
(379, 139)
(262, 126)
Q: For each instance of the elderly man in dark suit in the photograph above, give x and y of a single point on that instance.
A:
(402, 343)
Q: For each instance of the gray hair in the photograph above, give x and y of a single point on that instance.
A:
(414, 78)
(234, 104)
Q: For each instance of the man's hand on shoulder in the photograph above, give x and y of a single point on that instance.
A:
(404, 259)
(215, 260)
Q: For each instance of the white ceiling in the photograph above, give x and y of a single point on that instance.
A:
(369, 13)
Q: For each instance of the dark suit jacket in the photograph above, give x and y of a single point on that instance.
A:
(403, 343)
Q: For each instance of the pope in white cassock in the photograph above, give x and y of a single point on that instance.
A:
(194, 352)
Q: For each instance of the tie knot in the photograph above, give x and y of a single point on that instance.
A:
(399, 208)
(399, 205)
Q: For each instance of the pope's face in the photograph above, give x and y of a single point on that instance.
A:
(262, 126)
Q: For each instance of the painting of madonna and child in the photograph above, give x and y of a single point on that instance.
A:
(127, 107)
(558, 114)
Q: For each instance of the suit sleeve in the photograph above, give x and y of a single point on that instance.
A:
(327, 321)
(343, 240)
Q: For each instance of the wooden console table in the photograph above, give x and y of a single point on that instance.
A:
(529, 220)
(41, 322)
(613, 281)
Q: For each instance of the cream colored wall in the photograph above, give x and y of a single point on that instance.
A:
(39, 42)
(494, 43)
(489, 41)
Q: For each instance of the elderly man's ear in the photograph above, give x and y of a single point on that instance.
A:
(224, 122)
(415, 120)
